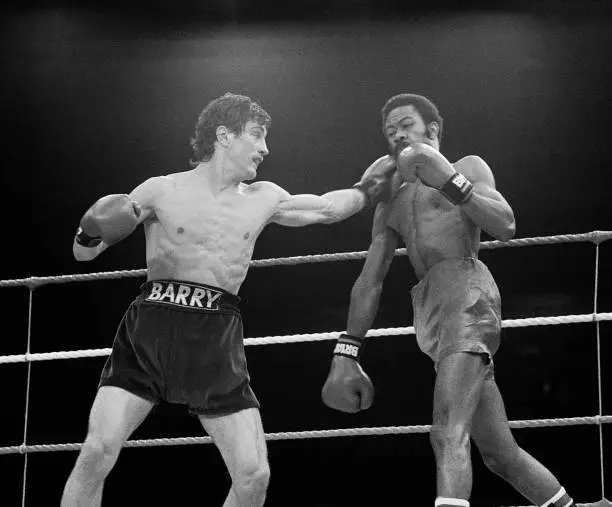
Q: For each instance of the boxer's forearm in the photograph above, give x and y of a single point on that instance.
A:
(494, 216)
(363, 308)
(306, 209)
(343, 204)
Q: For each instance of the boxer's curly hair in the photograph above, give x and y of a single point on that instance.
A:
(426, 108)
(230, 110)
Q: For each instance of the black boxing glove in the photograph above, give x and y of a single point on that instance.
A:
(348, 388)
(423, 161)
(109, 219)
(376, 180)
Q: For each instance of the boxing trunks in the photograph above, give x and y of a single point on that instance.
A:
(182, 342)
(457, 308)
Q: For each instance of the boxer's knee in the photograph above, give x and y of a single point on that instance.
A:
(251, 481)
(443, 437)
(99, 454)
(496, 463)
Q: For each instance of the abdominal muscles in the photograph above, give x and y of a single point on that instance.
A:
(446, 236)
(433, 229)
(211, 253)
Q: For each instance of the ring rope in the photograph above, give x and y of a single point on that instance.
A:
(595, 237)
(302, 435)
(599, 371)
(27, 401)
(35, 281)
(313, 337)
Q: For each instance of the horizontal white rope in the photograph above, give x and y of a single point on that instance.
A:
(600, 503)
(35, 281)
(313, 337)
(595, 237)
(302, 435)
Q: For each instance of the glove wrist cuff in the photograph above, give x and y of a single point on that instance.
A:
(457, 189)
(349, 346)
(85, 240)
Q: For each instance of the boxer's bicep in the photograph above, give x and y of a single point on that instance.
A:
(487, 207)
(480, 174)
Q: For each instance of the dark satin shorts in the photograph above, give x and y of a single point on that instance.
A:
(182, 342)
(457, 308)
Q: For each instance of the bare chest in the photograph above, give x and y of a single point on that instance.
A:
(193, 215)
(417, 204)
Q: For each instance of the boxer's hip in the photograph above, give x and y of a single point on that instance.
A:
(457, 307)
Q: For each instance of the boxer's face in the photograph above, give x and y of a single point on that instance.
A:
(405, 125)
(248, 149)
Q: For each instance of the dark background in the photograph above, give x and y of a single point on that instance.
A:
(96, 97)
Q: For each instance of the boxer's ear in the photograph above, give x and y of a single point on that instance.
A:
(223, 135)
(433, 129)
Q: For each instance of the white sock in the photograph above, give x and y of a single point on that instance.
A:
(451, 501)
(556, 497)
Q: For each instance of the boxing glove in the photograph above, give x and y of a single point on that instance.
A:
(347, 388)
(376, 180)
(432, 169)
(109, 219)
(407, 163)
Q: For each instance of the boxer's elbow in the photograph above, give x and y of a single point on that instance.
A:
(510, 225)
(510, 231)
(333, 213)
(328, 217)
(507, 228)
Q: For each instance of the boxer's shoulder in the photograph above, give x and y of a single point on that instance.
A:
(267, 189)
